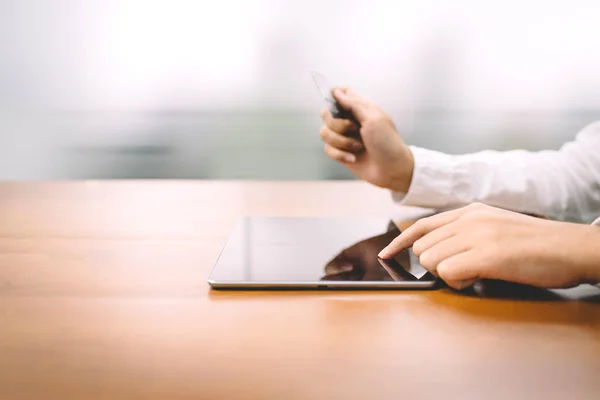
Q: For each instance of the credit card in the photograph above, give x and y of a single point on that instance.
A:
(325, 89)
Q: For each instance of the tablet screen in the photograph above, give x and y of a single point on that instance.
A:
(313, 249)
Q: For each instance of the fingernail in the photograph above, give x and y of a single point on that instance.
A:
(349, 158)
(346, 268)
(383, 253)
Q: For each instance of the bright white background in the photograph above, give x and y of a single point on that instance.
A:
(79, 75)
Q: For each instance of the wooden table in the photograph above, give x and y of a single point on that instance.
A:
(103, 296)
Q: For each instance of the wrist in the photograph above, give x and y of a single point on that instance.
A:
(592, 267)
(581, 250)
(402, 174)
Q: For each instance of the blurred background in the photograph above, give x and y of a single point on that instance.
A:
(105, 89)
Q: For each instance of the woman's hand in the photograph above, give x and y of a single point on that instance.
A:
(479, 241)
(369, 145)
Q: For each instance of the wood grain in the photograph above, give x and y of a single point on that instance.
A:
(103, 295)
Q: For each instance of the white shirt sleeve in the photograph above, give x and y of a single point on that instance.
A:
(563, 184)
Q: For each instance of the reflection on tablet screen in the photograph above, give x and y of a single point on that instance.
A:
(359, 262)
(313, 250)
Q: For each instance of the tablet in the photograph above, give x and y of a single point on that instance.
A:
(315, 253)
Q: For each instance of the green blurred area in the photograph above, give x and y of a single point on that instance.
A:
(242, 144)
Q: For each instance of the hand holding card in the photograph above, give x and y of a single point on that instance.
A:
(325, 89)
(363, 137)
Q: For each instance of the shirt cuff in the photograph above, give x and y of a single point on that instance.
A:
(432, 182)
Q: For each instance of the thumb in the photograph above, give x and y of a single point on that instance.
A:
(351, 101)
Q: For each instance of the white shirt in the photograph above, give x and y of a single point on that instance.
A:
(563, 184)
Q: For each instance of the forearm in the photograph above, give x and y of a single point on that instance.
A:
(510, 180)
(563, 184)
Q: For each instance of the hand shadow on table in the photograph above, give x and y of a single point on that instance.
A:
(499, 301)
(502, 290)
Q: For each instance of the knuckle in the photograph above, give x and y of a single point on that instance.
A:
(339, 142)
(346, 144)
(333, 154)
(478, 206)
(454, 284)
(324, 113)
(427, 259)
(418, 247)
(469, 218)
(474, 206)
(324, 132)
(347, 126)
(445, 270)
(418, 225)
(422, 224)
(334, 157)
(477, 216)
